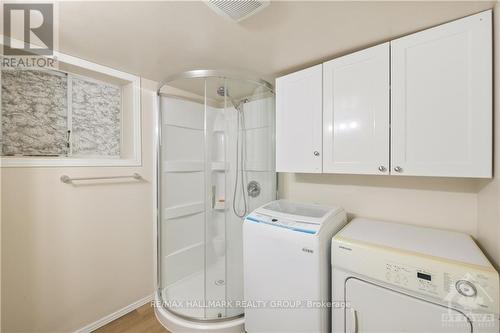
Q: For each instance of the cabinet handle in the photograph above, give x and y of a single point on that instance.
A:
(382, 168)
(398, 169)
(316, 153)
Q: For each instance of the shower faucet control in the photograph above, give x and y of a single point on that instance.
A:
(253, 189)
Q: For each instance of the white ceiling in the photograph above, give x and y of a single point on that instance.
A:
(157, 39)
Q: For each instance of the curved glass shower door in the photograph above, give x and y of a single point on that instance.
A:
(216, 164)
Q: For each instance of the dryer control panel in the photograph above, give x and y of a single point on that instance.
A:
(469, 287)
(406, 276)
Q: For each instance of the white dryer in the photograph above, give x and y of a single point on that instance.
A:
(286, 256)
(401, 278)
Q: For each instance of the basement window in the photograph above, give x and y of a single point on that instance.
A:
(34, 113)
(82, 114)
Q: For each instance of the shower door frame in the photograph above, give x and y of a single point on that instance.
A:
(226, 75)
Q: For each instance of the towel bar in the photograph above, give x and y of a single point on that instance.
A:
(68, 180)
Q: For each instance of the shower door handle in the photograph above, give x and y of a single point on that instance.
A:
(213, 196)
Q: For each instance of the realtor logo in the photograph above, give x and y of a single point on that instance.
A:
(28, 29)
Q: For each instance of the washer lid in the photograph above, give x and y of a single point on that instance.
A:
(281, 222)
(308, 213)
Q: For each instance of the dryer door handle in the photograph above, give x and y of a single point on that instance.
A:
(354, 321)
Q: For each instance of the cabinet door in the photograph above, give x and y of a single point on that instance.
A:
(356, 112)
(441, 100)
(298, 121)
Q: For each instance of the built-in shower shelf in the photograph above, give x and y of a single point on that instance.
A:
(183, 166)
(183, 210)
(220, 206)
(219, 166)
(258, 166)
(191, 166)
(218, 131)
(187, 249)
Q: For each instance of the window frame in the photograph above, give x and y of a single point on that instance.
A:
(134, 82)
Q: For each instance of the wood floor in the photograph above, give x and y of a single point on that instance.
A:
(141, 320)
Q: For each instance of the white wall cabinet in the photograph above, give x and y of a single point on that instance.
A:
(420, 105)
(356, 112)
(441, 117)
(298, 121)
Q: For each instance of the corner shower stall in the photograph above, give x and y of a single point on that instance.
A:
(215, 165)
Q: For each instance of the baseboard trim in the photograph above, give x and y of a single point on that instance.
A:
(115, 315)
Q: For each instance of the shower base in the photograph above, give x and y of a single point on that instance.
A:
(177, 324)
(192, 287)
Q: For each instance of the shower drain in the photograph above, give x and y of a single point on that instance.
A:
(219, 282)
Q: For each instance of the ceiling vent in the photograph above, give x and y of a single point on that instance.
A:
(237, 10)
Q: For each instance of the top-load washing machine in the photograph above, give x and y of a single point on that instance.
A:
(401, 278)
(286, 251)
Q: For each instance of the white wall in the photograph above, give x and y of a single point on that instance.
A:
(437, 202)
(74, 254)
(489, 196)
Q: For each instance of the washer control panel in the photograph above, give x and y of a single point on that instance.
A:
(307, 228)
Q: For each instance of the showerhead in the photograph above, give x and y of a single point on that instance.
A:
(221, 91)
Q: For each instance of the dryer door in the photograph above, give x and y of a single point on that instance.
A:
(377, 309)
